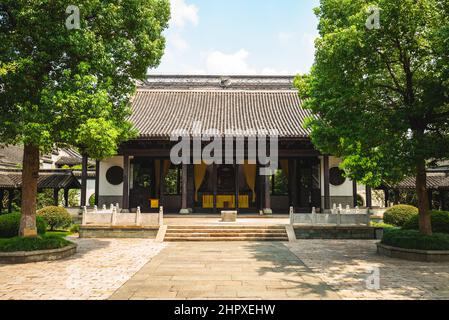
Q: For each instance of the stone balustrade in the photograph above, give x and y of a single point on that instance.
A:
(113, 217)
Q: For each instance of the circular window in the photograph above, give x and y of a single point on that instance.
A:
(336, 176)
(114, 175)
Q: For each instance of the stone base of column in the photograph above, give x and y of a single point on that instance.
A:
(124, 211)
(267, 211)
(185, 211)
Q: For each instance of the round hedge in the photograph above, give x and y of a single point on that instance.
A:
(10, 224)
(400, 214)
(440, 222)
(412, 239)
(55, 217)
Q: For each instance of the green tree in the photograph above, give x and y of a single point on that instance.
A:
(381, 95)
(64, 85)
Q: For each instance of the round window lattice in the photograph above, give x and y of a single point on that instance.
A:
(114, 175)
(336, 176)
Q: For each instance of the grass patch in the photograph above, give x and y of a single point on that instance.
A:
(59, 233)
(44, 242)
(382, 225)
(411, 239)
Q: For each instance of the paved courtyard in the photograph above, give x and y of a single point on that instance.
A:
(306, 269)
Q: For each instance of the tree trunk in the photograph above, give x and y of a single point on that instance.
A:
(425, 226)
(30, 174)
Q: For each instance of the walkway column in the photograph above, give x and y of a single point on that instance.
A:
(56, 197)
(66, 198)
(267, 196)
(327, 190)
(354, 193)
(84, 181)
(387, 197)
(292, 180)
(369, 201)
(237, 186)
(214, 179)
(97, 181)
(184, 205)
(161, 183)
(2, 194)
(125, 202)
(10, 199)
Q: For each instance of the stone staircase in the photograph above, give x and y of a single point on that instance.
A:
(226, 233)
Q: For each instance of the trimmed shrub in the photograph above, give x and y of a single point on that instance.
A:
(382, 225)
(10, 224)
(74, 228)
(56, 217)
(412, 239)
(440, 222)
(399, 215)
(44, 242)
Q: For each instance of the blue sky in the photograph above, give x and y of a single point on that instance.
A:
(240, 37)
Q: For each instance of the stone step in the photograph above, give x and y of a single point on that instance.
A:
(266, 231)
(270, 227)
(225, 234)
(173, 239)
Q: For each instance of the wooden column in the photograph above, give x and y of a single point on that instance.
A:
(354, 193)
(2, 194)
(125, 202)
(387, 197)
(237, 186)
(56, 197)
(84, 181)
(10, 199)
(292, 181)
(327, 190)
(396, 197)
(161, 183)
(369, 199)
(184, 205)
(97, 182)
(267, 195)
(214, 181)
(430, 195)
(66, 198)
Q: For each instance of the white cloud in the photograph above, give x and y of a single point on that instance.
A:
(176, 41)
(235, 63)
(285, 37)
(183, 13)
(275, 72)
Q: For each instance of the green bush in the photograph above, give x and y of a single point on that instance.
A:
(399, 215)
(56, 217)
(440, 222)
(10, 224)
(382, 225)
(412, 239)
(74, 228)
(44, 242)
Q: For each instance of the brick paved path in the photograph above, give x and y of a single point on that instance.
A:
(346, 264)
(246, 270)
(98, 268)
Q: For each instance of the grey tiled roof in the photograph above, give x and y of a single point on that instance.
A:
(433, 182)
(157, 113)
(48, 179)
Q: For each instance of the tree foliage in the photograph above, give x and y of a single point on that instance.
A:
(72, 86)
(381, 96)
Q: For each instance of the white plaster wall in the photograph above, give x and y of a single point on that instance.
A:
(107, 189)
(345, 190)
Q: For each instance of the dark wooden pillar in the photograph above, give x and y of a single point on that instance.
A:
(369, 199)
(97, 182)
(237, 186)
(56, 197)
(292, 181)
(10, 199)
(267, 195)
(66, 198)
(387, 197)
(214, 181)
(354, 193)
(430, 196)
(327, 190)
(161, 183)
(84, 181)
(125, 203)
(184, 205)
(2, 194)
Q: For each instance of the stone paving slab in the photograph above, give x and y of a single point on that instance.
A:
(345, 265)
(220, 270)
(94, 272)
